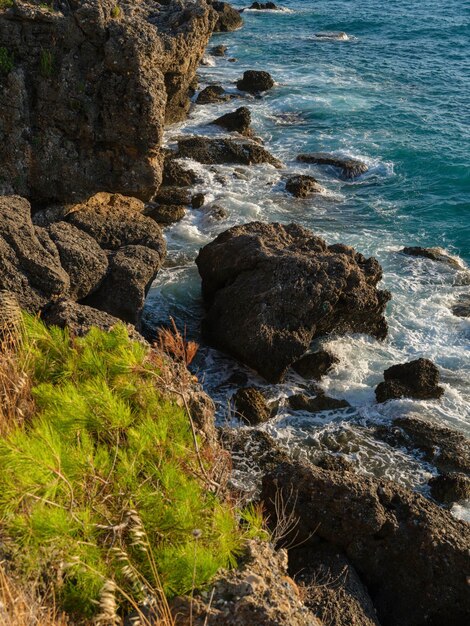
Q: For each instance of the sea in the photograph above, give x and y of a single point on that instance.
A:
(392, 89)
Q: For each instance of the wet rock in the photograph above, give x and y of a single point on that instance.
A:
(271, 289)
(255, 81)
(411, 553)
(259, 593)
(216, 212)
(219, 51)
(446, 448)
(238, 121)
(219, 151)
(435, 254)
(198, 200)
(302, 402)
(315, 364)
(264, 6)
(173, 195)
(212, 94)
(350, 168)
(175, 175)
(332, 36)
(251, 406)
(450, 488)
(252, 448)
(302, 186)
(462, 308)
(165, 214)
(332, 588)
(417, 379)
(334, 463)
(228, 18)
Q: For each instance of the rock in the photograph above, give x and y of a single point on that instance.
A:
(315, 364)
(258, 593)
(85, 103)
(271, 289)
(417, 379)
(202, 410)
(435, 254)
(462, 308)
(411, 554)
(219, 151)
(302, 402)
(175, 175)
(173, 195)
(350, 168)
(251, 406)
(334, 463)
(331, 586)
(165, 214)
(450, 488)
(228, 18)
(238, 121)
(302, 186)
(447, 449)
(264, 6)
(197, 201)
(332, 36)
(255, 81)
(212, 94)
(216, 212)
(219, 51)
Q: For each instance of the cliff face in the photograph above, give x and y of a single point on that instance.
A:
(85, 92)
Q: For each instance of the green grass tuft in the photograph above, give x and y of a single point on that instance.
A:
(7, 62)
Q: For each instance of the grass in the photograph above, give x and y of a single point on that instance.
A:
(106, 496)
(116, 11)
(7, 62)
(46, 63)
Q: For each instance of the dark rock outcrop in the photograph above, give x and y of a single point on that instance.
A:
(219, 51)
(302, 186)
(449, 488)
(238, 121)
(462, 306)
(321, 402)
(228, 18)
(264, 6)
(435, 254)
(212, 94)
(176, 175)
(350, 168)
(86, 99)
(251, 406)
(270, 289)
(165, 214)
(198, 200)
(315, 364)
(417, 379)
(219, 151)
(255, 81)
(411, 554)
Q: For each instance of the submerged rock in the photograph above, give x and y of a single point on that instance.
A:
(251, 405)
(462, 308)
(302, 402)
(219, 51)
(238, 121)
(411, 553)
(264, 6)
(228, 18)
(302, 186)
(315, 365)
(197, 201)
(219, 151)
(449, 488)
(255, 81)
(350, 168)
(212, 94)
(176, 175)
(417, 379)
(271, 289)
(332, 36)
(435, 254)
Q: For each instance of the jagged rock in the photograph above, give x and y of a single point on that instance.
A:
(446, 448)
(302, 186)
(462, 308)
(449, 488)
(263, 6)
(228, 18)
(85, 103)
(165, 214)
(238, 121)
(212, 94)
(315, 364)
(173, 195)
(411, 554)
(219, 51)
(302, 402)
(334, 463)
(258, 593)
(175, 175)
(197, 201)
(271, 289)
(251, 405)
(417, 379)
(435, 254)
(255, 81)
(219, 151)
(350, 168)
(331, 586)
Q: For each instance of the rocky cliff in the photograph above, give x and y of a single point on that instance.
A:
(86, 88)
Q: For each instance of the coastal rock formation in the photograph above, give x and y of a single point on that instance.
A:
(410, 553)
(449, 488)
(212, 94)
(255, 81)
(302, 186)
(264, 6)
(238, 121)
(165, 214)
(219, 51)
(435, 254)
(270, 289)
(462, 306)
(251, 405)
(315, 364)
(349, 168)
(321, 402)
(228, 18)
(417, 379)
(88, 92)
(175, 174)
(218, 151)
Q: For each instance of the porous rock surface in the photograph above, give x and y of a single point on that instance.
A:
(255, 81)
(215, 151)
(85, 102)
(412, 555)
(251, 405)
(237, 121)
(301, 186)
(270, 289)
(417, 379)
(228, 18)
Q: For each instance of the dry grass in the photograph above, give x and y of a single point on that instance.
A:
(172, 342)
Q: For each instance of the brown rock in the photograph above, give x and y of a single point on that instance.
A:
(435, 254)
(197, 201)
(417, 379)
(350, 168)
(175, 175)
(212, 94)
(228, 18)
(255, 81)
(219, 151)
(238, 121)
(302, 186)
(449, 488)
(251, 405)
(462, 307)
(302, 402)
(165, 214)
(219, 51)
(315, 364)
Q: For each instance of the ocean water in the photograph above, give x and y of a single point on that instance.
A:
(396, 93)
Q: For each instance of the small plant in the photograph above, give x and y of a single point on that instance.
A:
(116, 11)
(6, 4)
(46, 63)
(6, 61)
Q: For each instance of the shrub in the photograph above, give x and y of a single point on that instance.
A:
(101, 493)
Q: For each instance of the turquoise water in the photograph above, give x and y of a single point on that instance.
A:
(396, 93)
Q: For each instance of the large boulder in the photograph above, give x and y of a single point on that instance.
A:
(224, 151)
(434, 254)
(212, 94)
(302, 186)
(270, 289)
(255, 81)
(251, 405)
(413, 556)
(349, 168)
(238, 121)
(228, 18)
(89, 89)
(315, 364)
(417, 379)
